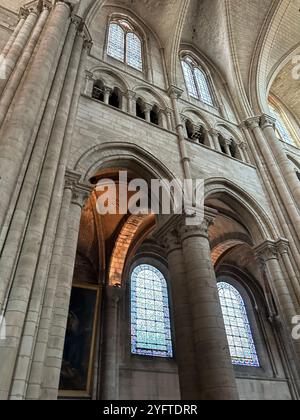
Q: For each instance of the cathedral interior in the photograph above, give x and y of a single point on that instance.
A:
(125, 306)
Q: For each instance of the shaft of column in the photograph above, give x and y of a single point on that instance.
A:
(55, 346)
(278, 179)
(283, 249)
(38, 358)
(267, 254)
(42, 276)
(280, 156)
(214, 134)
(13, 83)
(13, 36)
(174, 94)
(18, 46)
(16, 133)
(24, 276)
(33, 171)
(249, 125)
(214, 367)
(110, 377)
(107, 92)
(185, 351)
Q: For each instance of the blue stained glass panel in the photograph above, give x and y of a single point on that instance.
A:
(189, 80)
(203, 86)
(134, 51)
(239, 334)
(150, 313)
(116, 42)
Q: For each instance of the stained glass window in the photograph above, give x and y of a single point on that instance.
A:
(116, 42)
(189, 80)
(238, 329)
(150, 313)
(281, 127)
(124, 45)
(134, 51)
(196, 81)
(203, 86)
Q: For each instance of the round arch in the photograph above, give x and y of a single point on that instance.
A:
(252, 214)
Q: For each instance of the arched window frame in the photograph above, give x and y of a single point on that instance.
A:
(238, 325)
(284, 128)
(128, 28)
(194, 90)
(157, 265)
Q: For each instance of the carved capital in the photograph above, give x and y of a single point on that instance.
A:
(252, 123)
(266, 251)
(174, 92)
(283, 246)
(71, 179)
(131, 94)
(188, 230)
(267, 121)
(170, 241)
(114, 293)
(213, 132)
(81, 193)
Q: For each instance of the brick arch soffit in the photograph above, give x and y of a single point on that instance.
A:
(130, 237)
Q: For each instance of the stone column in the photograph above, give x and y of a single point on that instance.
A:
(89, 84)
(175, 94)
(55, 347)
(107, 92)
(279, 181)
(147, 110)
(214, 367)
(39, 354)
(110, 377)
(168, 113)
(16, 132)
(31, 249)
(15, 33)
(267, 254)
(184, 348)
(227, 145)
(35, 165)
(244, 152)
(131, 102)
(13, 83)
(283, 248)
(18, 46)
(215, 136)
(286, 167)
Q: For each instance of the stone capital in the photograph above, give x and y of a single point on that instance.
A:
(267, 121)
(107, 89)
(213, 132)
(72, 178)
(283, 246)
(170, 241)
(114, 293)
(266, 251)
(252, 123)
(81, 193)
(201, 229)
(147, 107)
(174, 92)
(131, 94)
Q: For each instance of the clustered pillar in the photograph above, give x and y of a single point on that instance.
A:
(205, 368)
(50, 45)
